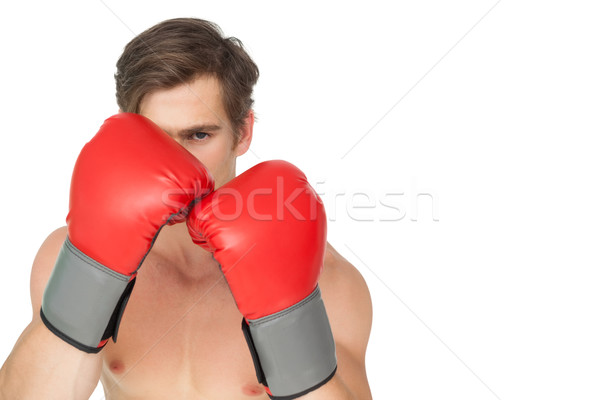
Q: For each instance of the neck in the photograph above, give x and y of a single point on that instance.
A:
(175, 250)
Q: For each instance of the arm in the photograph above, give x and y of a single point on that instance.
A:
(42, 366)
(348, 303)
(116, 209)
(272, 264)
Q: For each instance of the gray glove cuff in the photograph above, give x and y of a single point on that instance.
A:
(84, 300)
(293, 350)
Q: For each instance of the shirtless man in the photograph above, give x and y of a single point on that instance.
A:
(180, 336)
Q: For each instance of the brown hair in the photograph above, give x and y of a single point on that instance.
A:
(177, 51)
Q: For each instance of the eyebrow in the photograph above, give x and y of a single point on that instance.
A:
(197, 128)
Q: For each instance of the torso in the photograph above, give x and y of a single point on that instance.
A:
(180, 340)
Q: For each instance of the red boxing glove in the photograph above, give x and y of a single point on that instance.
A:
(267, 229)
(128, 181)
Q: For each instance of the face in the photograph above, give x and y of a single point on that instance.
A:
(193, 115)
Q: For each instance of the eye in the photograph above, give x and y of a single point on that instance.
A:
(199, 136)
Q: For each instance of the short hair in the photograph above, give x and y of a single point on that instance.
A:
(179, 50)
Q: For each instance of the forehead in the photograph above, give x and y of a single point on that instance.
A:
(196, 102)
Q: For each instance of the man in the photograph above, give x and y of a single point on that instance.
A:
(180, 335)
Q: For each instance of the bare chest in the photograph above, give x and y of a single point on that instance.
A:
(180, 341)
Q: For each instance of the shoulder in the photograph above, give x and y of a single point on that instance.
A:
(348, 302)
(43, 264)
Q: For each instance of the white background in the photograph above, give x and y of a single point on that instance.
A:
(498, 298)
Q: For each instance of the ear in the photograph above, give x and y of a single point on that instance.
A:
(246, 135)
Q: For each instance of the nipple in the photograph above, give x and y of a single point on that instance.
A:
(253, 389)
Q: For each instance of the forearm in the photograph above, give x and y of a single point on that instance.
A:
(42, 366)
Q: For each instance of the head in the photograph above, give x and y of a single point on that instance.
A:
(196, 85)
